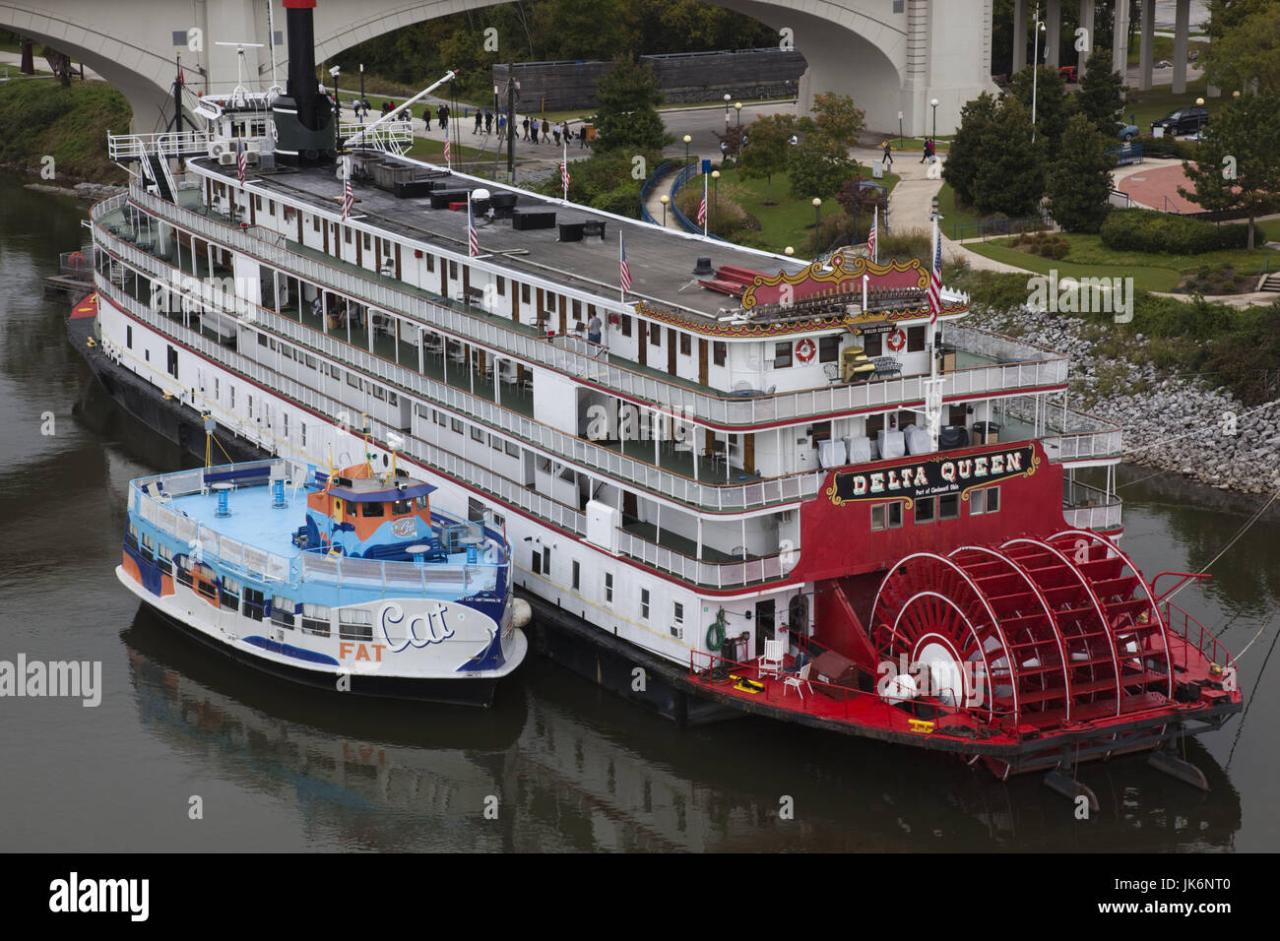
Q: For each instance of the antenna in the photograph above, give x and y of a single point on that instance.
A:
(240, 91)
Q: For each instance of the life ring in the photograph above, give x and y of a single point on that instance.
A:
(896, 340)
(806, 350)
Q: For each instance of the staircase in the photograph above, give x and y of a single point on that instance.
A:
(1270, 283)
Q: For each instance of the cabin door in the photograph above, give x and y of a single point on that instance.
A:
(765, 624)
(704, 375)
(643, 355)
(671, 350)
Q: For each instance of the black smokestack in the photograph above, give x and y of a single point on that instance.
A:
(303, 87)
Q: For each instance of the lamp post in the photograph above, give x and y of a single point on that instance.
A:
(715, 194)
(788, 250)
(737, 106)
(934, 104)
(337, 101)
(688, 139)
(362, 94)
(1038, 27)
(817, 218)
(727, 99)
(664, 199)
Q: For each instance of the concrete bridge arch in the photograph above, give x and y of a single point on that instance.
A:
(891, 55)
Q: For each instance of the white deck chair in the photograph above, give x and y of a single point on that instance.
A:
(797, 680)
(771, 663)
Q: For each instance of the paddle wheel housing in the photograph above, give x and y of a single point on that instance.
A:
(1033, 634)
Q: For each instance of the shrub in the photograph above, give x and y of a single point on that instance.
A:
(1142, 230)
(1044, 244)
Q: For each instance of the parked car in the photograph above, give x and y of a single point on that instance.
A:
(1184, 121)
(1126, 132)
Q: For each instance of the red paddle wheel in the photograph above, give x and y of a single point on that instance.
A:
(1038, 633)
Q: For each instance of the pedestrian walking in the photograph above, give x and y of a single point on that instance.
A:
(533, 131)
(887, 160)
(582, 137)
(488, 121)
(445, 115)
(546, 131)
(525, 125)
(927, 156)
(556, 132)
(479, 121)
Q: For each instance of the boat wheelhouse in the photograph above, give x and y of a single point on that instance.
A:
(347, 580)
(742, 464)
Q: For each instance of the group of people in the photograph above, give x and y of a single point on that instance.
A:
(534, 130)
(929, 152)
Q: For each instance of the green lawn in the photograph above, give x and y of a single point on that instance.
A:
(1163, 48)
(425, 148)
(1088, 257)
(784, 219)
(1272, 228)
(957, 220)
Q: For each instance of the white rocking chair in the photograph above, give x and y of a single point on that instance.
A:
(771, 663)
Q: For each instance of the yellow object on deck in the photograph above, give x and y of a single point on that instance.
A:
(923, 726)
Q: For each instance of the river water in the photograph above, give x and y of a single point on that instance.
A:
(572, 768)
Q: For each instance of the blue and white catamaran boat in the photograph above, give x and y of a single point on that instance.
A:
(347, 580)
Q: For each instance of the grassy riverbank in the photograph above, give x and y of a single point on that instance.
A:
(43, 119)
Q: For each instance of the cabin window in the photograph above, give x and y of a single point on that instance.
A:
(655, 335)
(346, 234)
(915, 339)
(315, 620)
(254, 603)
(229, 594)
(986, 500)
(477, 434)
(128, 336)
(303, 433)
(686, 344)
(644, 604)
(626, 325)
(183, 574)
(608, 588)
(495, 442)
(781, 355)
(719, 352)
(422, 502)
(282, 612)
(886, 516)
(366, 241)
(439, 417)
(926, 509)
(576, 582)
(164, 560)
(949, 506)
(524, 294)
(372, 510)
(546, 560)
(401, 507)
(456, 425)
(677, 614)
(577, 310)
(502, 287)
(828, 349)
(355, 624)
(453, 269)
(512, 449)
(315, 223)
(536, 562)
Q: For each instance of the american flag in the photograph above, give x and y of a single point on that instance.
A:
(242, 162)
(935, 280)
(624, 270)
(348, 199)
(564, 178)
(447, 161)
(473, 237)
(873, 237)
(702, 212)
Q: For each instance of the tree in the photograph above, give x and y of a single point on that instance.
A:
(837, 120)
(1101, 97)
(1054, 106)
(966, 155)
(1079, 179)
(768, 146)
(1239, 161)
(1010, 178)
(1245, 52)
(627, 117)
(817, 168)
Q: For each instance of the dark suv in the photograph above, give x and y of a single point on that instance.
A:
(1186, 121)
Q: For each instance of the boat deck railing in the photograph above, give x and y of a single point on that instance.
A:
(153, 498)
(1034, 369)
(1091, 508)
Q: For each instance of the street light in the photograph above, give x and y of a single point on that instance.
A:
(727, 98)
(788, 250)
(664, 199)
(817, 218)
(715, 195)
(688, 139)
(1035, 69)
(337, 102)
(935, 104)
(737, 106)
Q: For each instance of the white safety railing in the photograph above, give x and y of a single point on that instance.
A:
(1089, 507)
(170, 143)
(498, 334)
(393, 137)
